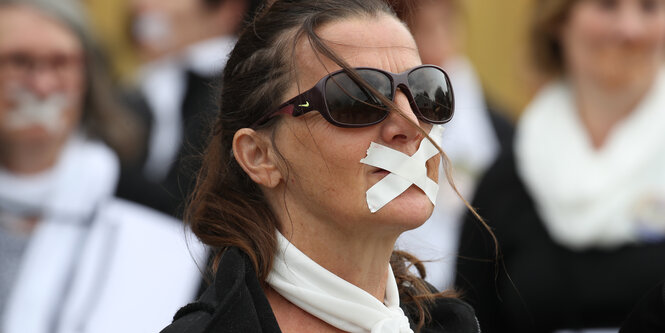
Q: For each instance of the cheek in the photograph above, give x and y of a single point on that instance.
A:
(656, 32)
(584, 43)
(584, 37)
(343, 165)
(325, 158)
(72, 117)
(76, 93)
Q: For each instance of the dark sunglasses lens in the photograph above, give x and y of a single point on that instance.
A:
(350, 104)
(432, 94)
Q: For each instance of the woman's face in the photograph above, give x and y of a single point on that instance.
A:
(41, 81)
(160, 27)
(326, 181)
(614, 43)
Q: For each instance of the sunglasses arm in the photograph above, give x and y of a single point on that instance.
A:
(310, 100)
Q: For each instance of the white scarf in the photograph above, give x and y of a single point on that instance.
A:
(66, 196)
(332, 299)
(85, 173)
(591, 197)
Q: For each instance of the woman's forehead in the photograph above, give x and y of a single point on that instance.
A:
(376, 31)
(25, 28)
(380, 42)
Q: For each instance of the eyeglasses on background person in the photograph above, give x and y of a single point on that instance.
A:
(23, 65)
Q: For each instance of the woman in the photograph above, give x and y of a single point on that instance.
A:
(578, 205)
(286, 195)
(73, 257)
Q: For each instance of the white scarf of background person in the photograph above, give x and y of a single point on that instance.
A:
(404, 170)
(93, 258)
(332, 299)
(66, 196)
(591, 197)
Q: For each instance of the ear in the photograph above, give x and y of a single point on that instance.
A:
(253, 152)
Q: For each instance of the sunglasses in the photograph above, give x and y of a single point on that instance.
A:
(344, 102)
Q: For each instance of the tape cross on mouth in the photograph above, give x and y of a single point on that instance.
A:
(404, 170)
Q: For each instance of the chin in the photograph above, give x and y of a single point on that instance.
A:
(409, 210)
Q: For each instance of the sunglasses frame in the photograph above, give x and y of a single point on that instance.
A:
(314, 99)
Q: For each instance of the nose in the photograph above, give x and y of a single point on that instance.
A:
(631, 21)
(398, 130)
(43, 82)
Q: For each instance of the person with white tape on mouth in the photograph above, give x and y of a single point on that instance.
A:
(323, 102)
(73, 258)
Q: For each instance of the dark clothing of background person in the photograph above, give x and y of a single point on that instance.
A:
(539, 285)
(235, 302)
(649, 314)
(199, 107)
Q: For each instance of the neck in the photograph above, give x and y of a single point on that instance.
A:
(359, 259)
(291, 318)
(27, 160)
(602, 108)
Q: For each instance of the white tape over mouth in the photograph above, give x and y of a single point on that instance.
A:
(153, 28)
(30, 110)
(404, 170)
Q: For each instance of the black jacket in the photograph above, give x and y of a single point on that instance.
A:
(537, 285)
(235, 302)
(649, 314)
(198, 110)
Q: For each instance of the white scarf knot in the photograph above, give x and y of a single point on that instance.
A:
(332, 299)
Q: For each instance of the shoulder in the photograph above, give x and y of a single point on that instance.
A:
(451, 315)
(235, 302)
(649, 314)
(124, 211)
(155, 228)
(446, 314)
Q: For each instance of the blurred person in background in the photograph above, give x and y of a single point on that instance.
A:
(472, 141)
(579, 205)
(184, 45)
(73, 258)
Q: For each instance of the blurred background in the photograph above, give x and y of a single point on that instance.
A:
(495, 42)
(588, 142)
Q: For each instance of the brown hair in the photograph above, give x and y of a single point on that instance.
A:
(547, 19)
(227, 209)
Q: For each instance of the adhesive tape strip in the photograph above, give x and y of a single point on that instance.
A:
(31, 110)
(404, 170)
